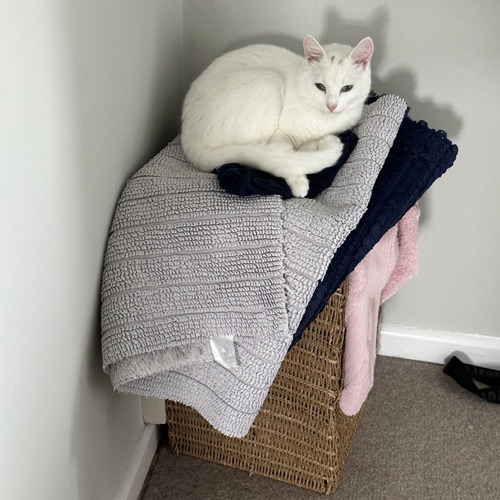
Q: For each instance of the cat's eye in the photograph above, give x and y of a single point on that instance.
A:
(321, 87)
(346, 88)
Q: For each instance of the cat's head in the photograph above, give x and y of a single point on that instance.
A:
(336, 77)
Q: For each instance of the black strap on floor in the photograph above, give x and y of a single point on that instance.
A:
(465, 375)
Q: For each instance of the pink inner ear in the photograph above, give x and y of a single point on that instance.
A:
(313, 50)
(362, 53)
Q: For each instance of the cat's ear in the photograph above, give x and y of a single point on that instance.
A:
(313, 51)
(362, 53)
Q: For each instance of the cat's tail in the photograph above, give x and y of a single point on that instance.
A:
(278, 159)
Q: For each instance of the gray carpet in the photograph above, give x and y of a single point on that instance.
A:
(421, 437)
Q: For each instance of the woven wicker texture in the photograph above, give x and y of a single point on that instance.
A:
(300, 435)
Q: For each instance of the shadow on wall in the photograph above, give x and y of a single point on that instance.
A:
(336, 30)
(403, 81)
(400, 81)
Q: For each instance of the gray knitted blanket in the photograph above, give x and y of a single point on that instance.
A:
(202, 290)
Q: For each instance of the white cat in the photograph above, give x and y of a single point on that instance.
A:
(268, 108)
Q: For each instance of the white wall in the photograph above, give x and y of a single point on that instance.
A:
(88, 92)
(442, 57)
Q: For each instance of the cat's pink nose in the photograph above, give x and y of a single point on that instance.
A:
(331, 107)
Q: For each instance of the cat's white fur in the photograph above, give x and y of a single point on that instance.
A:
(259, 106)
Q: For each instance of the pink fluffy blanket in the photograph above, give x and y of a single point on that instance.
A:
(384, 270)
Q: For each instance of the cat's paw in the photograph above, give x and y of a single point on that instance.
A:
(299, 184)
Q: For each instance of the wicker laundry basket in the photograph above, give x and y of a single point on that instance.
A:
(300, 435)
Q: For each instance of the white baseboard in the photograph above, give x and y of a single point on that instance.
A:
(139, 464)
(436, 346)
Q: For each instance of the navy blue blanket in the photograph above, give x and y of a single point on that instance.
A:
(245, 181)
(418, 157)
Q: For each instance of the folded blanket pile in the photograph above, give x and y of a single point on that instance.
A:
(190, 267)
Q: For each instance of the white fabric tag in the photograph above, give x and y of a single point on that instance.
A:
(223, 351)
